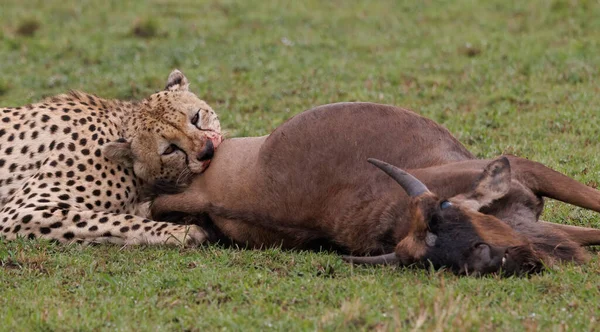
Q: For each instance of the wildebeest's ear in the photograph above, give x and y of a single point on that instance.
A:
(119, 151)
(492, 184)
(177, 82)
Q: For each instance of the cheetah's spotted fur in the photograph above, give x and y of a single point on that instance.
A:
(73, 167)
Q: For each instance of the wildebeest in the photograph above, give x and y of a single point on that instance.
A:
(310, 180)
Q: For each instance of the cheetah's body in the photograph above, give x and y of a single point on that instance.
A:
(72, 168)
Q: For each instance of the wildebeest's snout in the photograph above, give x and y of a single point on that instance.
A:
(207, 152)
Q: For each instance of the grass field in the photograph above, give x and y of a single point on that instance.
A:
(518, 77)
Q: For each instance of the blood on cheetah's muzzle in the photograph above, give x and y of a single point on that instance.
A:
(208, 152)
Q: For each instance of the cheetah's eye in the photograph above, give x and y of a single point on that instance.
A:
(172, 148)
(195, 120)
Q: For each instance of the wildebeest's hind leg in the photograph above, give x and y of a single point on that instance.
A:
(585, 236)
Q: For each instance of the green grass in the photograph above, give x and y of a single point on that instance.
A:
(504, 76)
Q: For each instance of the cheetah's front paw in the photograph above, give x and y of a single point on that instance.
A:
(189, 236)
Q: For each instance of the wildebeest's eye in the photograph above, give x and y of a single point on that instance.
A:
(172, 148)
(445, 204)
(195, 120)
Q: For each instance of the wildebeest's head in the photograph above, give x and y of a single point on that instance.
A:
(452, 233)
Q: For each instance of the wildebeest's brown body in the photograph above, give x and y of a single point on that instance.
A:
(309, 180)
(283, 181)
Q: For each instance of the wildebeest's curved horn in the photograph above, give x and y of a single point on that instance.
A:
(373, 260)
(411, 184)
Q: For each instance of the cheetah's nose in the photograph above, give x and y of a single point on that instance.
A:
(208, 152)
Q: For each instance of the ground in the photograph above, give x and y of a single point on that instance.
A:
(503, 76)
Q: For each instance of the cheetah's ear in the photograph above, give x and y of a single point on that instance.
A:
(177, 82)
(119, 151)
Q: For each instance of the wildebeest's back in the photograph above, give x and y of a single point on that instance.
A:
(381, 131)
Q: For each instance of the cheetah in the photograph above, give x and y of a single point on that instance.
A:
(75, 167)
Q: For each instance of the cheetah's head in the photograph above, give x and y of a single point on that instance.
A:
(172, 136)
